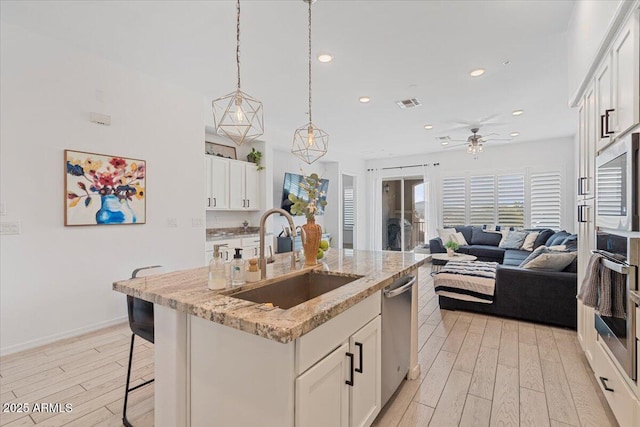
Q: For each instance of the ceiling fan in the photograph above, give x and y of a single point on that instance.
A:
(466, 124)
(474, 142)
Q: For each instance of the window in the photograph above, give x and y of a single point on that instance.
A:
(500, 199)
(511, 200)
(546, 206)
(482, 200)
(348, 208)
(454, 193)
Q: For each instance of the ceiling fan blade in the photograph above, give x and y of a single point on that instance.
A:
(494, 124)
(453, 146)
(489, 118)
(489, 134)
(498, 139)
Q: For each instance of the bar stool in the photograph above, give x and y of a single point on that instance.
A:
(141, 324)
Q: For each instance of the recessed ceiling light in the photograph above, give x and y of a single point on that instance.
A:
(518, 112)
(477, 73)
(444, 143)
(514, 134)
(325, 57)
(365, 99)
(428, 127)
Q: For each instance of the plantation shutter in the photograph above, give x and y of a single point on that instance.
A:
(482, 200)
(546, 206)
(454, 190)
(348, 207)
(511, 200)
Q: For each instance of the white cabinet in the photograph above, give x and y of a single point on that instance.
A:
(322, 394)
(343, 389)
(625, 55)
(587, 145)
(364, 395)
(604, 104)
(586, 241)
(231, 185)
(216, 182)
(352, 395)
(243, 186)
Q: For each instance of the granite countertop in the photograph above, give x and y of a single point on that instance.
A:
(187, 291)
(635, 297)
(215, 234)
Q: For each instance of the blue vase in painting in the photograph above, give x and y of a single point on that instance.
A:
(115, 211)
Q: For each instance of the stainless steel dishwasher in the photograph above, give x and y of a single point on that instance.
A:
(396, 334)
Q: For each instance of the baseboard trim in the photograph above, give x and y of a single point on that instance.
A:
(5, 351)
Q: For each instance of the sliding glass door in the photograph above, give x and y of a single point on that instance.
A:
(403, 214)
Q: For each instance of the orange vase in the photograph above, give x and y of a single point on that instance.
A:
(311, 241)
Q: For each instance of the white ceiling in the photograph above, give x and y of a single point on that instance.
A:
(388, 50)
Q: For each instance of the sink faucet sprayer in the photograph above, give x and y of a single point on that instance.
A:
(263, 260)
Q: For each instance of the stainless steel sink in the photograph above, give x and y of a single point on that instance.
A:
(292, 291)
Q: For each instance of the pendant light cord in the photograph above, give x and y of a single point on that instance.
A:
(238, 40)
(310, 119)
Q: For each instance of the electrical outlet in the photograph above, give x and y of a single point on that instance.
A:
(172, 222)
(7, 228)
(196, 222)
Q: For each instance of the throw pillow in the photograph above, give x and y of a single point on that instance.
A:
(480, 237)
(552, 261)
(445, 234)
(459, 238)
(513, 240)
(530, 241)
(571, 242)
(561, 248)
(557, 238)
(535, 254)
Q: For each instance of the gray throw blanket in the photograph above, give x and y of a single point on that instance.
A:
(603, 289)
(467, 280)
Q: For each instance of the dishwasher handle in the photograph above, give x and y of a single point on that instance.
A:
(390, 292)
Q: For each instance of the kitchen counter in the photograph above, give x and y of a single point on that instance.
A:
(187, 292)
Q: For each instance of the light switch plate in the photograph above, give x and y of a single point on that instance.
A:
(7, 228)
(172, 222)
(196, 222)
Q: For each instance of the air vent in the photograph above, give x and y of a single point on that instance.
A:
(444, 138)
(408, 103)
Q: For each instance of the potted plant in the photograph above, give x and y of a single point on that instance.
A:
(255, 156)
(452, 247)
(311, 232)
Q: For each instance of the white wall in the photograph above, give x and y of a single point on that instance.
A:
(56, 280)
(558, 154)
(589, 24)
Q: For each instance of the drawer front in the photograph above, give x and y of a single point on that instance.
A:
(321, 341)
(621, 400)
(231, 244)
(251, 241)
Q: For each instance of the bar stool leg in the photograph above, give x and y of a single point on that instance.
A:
(125, 421)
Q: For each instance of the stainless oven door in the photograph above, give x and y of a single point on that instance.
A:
(619, 334)
(617, 185)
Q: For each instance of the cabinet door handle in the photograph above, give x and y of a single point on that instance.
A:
(361, 348)
(248, 203)
(581, 217)
(606, 122)
(580, 192)
(604, 380)
(244, 203)
(215, 202)
(209, 202)
(602, 126)
(350, 380)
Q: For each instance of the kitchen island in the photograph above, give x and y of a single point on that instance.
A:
(221, 360)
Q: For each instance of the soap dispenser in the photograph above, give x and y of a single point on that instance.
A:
(217, 279)
(237, 269)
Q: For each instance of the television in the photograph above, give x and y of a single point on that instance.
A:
(291, 185)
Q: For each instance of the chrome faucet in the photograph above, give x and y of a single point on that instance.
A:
(263, 259)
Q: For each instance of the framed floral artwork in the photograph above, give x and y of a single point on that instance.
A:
(103, 190)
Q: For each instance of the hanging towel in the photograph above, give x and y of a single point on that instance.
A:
(603, 289)
(589, 289)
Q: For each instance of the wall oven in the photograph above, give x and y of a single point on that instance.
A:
(618, 185)
(621, 256)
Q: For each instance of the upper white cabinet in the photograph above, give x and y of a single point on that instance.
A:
(231, 185)
(625, 55)
(604, 103)
(216, 182)
(587, 145)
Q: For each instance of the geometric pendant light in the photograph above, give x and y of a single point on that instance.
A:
(238, 115)
(310, 142)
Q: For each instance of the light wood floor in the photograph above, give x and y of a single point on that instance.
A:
(476, 371)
